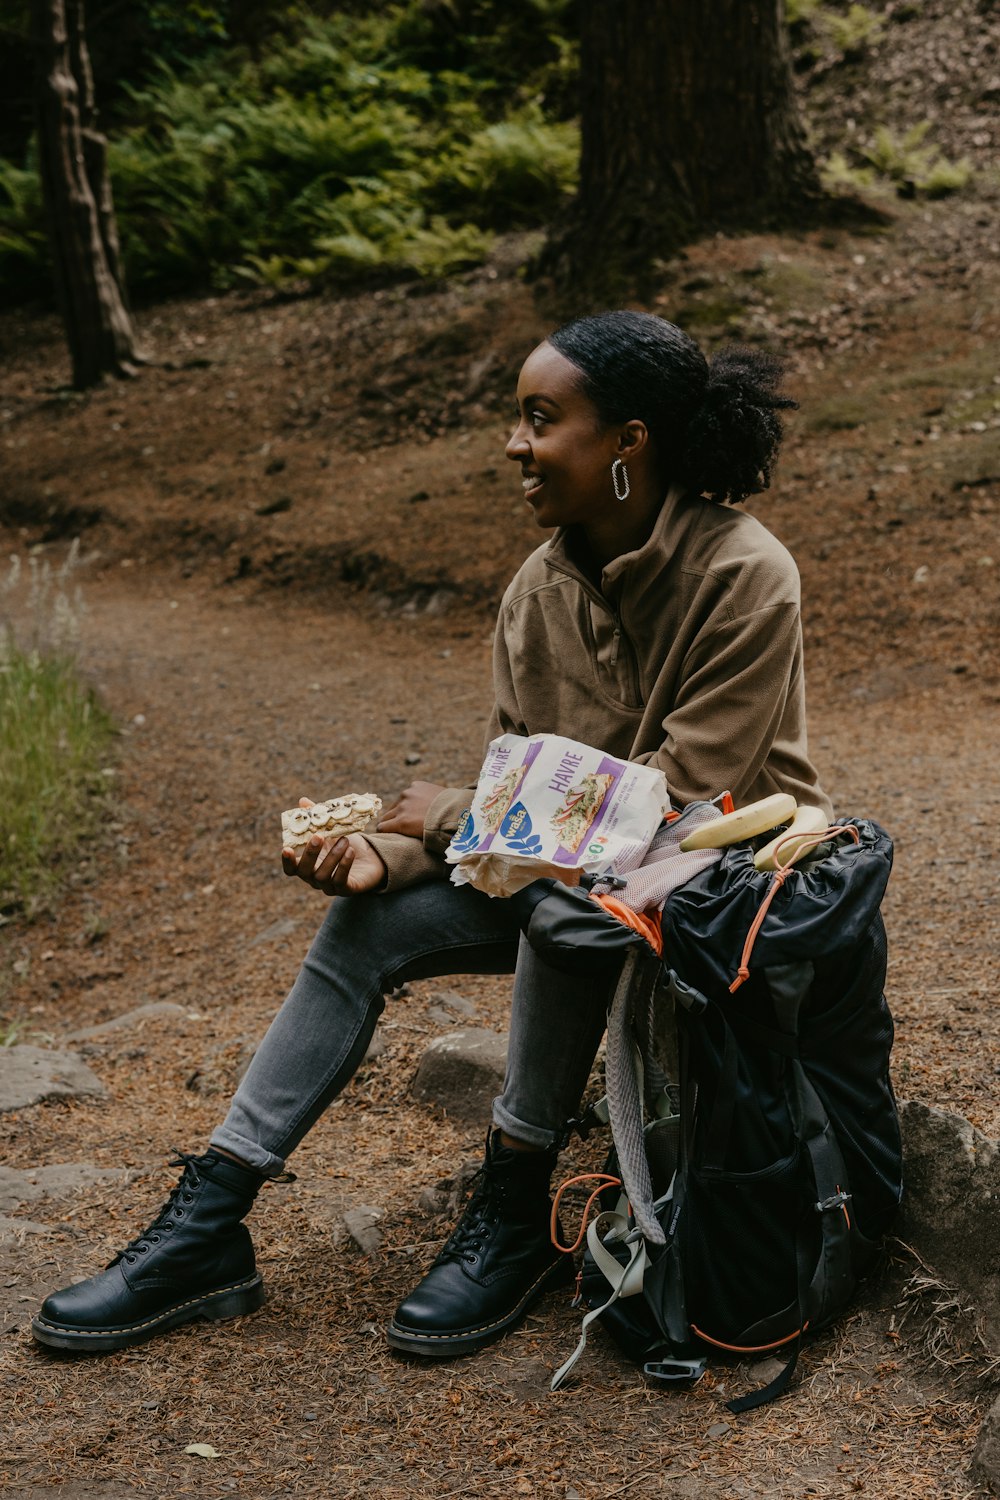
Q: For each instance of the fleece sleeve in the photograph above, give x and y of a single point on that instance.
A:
(408, 861)
(740, 695)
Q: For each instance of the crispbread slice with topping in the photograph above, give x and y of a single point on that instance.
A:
(334, 818)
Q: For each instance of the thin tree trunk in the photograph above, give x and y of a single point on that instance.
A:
(689, 123)
(95, 145)
(77, 195)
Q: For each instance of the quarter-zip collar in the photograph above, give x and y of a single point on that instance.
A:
(632, 570)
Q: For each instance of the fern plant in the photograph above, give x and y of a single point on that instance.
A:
(913, 166)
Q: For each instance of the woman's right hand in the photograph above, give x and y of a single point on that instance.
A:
(346, 867)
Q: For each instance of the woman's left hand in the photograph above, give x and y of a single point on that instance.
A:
(409, 812)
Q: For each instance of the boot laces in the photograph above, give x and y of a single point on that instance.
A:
(169, 1215)
(468, 1238)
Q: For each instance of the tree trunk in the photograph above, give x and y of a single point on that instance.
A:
(77, 195)
(689, 123)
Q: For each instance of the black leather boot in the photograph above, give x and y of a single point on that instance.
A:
(195, 1260)
(499, 1260)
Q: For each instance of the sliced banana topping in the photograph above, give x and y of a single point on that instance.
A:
(334, 818)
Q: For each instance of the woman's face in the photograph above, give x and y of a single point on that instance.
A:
(563, 448)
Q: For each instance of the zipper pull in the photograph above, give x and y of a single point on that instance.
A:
(615, 642)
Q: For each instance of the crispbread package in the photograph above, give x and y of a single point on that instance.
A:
(549, 806)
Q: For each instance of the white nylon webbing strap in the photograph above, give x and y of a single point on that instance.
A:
(623, 1072)
(625, 1281)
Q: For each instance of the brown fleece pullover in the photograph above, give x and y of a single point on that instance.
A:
(686, 655)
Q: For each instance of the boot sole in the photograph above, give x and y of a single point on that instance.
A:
(228, 1302)
(467, 1341)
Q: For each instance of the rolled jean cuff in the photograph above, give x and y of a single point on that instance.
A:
(251, 1152)
(531, 1135)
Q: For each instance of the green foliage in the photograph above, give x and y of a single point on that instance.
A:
(341, 153)
(510, 174)
(904, 161)
(839, 174)
(848, 33)
(799, 12)
(916, 167)
(853, 33)
(54, 739)
(23, 245)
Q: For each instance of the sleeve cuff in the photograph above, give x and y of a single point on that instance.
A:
(406, 860)
(443, 817)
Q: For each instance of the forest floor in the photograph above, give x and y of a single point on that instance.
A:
(296, 524)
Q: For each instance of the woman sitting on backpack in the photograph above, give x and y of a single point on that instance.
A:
(659, 624)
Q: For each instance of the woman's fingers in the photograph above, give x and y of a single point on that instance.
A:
(408, 813)
(316, 863)
(347, 867)
(329, 863)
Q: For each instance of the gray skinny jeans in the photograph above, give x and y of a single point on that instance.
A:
(367, 946)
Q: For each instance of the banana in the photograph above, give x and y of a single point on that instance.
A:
(807, 820)
(744, 823)
(333, 819)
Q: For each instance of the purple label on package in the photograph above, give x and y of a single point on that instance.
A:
(498, 789)
(578, 822)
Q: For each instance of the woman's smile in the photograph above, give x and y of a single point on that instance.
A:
(563, 449)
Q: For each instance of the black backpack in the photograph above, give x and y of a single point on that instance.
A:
(761, 1162)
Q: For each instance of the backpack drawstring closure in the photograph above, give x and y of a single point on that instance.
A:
(803, 845)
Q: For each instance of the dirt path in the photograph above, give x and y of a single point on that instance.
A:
(301, 517)
(232, 705)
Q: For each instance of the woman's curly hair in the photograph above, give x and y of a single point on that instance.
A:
(716, 425)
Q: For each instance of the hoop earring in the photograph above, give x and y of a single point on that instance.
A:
(619, 478)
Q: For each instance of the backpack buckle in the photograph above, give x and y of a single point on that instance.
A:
(675, 1369)
(839, 1199)
(684, 994)
(592, 1118)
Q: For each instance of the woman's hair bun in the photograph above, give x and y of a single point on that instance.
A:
(733, 436)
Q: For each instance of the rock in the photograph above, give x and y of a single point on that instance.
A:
(462, 1072)
(224, 1067)
(73, 1490)
(461, 1004)
(763, 1371)
(126, 1019)
(376, 1048)
(30, 1074)
(951, 1204)
(986, 1458)
(449, 1195)
(360, 1224)
(27, 1186)
(282, 928)
(16, 1228)
(430, 1200)
(439, 602)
